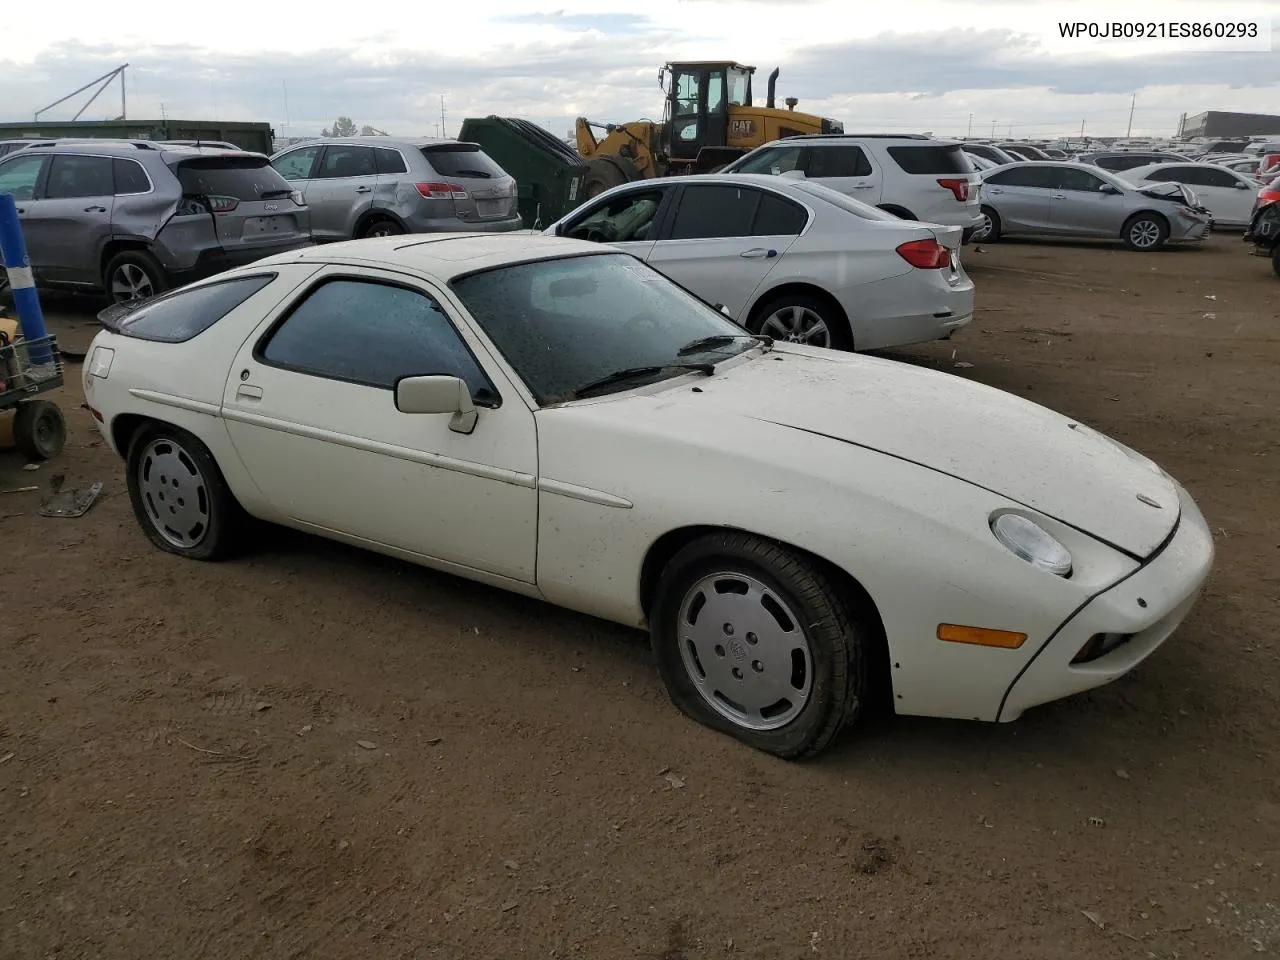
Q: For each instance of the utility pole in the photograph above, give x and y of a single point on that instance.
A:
(970, 133)
(993, 129)
(443, 128)
(1132, 103)
(1081, 129)
(285, 85)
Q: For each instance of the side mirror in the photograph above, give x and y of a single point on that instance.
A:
(725, 310)
(1108, 188)
(1241, 185)
(793, 175)
(438, 394)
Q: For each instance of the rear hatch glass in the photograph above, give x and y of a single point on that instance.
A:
(932, 160)
(490, 192)
(251, 202)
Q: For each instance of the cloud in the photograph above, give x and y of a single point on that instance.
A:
(612, 23)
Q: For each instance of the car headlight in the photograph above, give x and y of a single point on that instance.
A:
(1028, 540)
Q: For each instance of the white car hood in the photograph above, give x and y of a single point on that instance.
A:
(1015, 448)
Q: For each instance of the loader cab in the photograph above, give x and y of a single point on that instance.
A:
(699, 95)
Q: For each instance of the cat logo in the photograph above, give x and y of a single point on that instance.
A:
(742, 128)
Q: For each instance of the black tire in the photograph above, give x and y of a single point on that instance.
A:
(380, 227)
(604, 173)
(122, 273)
(839, 334)
(993, 231)
(224, 526)
(1275, 260)
(838, 640)
(39, 430)
(1145, 232)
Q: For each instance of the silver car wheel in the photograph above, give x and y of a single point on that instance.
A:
(131, 282)
(984, 231)
(797, 324)
(745, 651)
(174, 494)
(1144, 234)
(380, 230)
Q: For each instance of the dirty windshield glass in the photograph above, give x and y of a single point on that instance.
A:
(563, 324)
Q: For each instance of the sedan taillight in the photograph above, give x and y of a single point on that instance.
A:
(958, 188)
(925, 254)
(442, 191)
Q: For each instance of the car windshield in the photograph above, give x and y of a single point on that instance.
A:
(563, 324)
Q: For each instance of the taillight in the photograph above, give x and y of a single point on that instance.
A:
(223, 204)
(442, 191)
(297, 197)
(925, 254)
(958, 188)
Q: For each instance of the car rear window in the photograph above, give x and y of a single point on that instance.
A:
(462, 160)
(243, 178)
(180, 316)
(931, 160)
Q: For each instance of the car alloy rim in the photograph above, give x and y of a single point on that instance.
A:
(130, 282)
(381, 230)
(174, 493)
(745, 651)
(1144, 233)
(984, 230)
(797, 325)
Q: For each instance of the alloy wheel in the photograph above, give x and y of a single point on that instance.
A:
(175, 496)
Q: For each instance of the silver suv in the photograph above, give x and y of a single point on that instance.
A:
(381, 186)
(133, 218)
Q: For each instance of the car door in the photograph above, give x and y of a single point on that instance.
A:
(1021, 195)
(1081, 207)
(708, 244)
(1219, 191)
(22, 176)
(297, 166)
(69, 222)
(342, 187)
(848, 168)
(310, 408)
(627, 220)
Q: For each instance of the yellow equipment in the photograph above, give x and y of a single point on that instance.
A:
(708, 121)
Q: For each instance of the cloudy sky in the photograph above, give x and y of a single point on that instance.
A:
(945, 66)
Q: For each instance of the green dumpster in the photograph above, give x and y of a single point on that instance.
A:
(549, 173)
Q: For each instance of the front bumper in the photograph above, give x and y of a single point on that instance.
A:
(1146, 606)
(1190, 231)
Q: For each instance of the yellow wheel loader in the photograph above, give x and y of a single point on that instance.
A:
(709, 120)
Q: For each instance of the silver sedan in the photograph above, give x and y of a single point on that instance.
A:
(1061, 199)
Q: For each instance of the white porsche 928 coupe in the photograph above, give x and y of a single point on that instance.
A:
(797, 528)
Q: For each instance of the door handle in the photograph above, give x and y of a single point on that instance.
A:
(758, 253)
(1059, 196)
(994, 190)
(95, 209)
(864, 186)
(364, 189)
(247, 391)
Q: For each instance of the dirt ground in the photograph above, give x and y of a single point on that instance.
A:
(319, 753)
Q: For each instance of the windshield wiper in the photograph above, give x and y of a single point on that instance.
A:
(636, 373)
(721, 340)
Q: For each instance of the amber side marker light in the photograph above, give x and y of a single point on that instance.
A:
(981, 636)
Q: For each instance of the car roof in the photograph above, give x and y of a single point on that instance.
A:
(378, 142)
(133, 149)
(441, 256)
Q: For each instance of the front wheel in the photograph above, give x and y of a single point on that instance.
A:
(179, 496)
(1145, 232)
(753, 640)
(134, 275)
(989, 231)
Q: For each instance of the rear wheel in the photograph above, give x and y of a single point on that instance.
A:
(380, 227)
(1145, 232)
(133, 275)
(753, 640)
(179, 495)
(802, 318)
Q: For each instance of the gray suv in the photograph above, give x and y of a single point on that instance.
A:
(381, 186)
(133, 218)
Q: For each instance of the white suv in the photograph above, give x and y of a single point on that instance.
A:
(910, 175)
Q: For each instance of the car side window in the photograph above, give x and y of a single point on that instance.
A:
(20, 175)
(1215, 178)
(626, 218)
(297, 164)
(774, 161)
(344, 161)
(1068, 178)
(72, 176)
(715, 211)
(1023, 177)
(129, 177)
(388, 161)
(841, 161)
(371, 333)
(1167, 175)
(778, 217)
